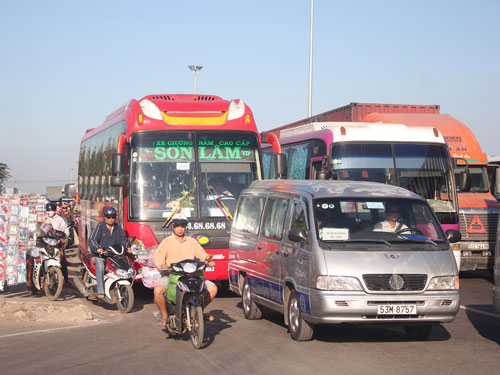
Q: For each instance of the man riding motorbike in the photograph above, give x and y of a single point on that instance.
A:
(176, 248)
(106, 233)
(51, 224)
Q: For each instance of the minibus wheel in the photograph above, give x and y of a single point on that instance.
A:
(251, 310)
(298, 328)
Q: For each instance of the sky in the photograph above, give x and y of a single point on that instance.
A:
(65, 65)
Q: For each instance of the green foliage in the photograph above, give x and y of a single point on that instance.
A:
(4, 176)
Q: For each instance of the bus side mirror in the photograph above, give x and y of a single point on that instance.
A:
(117, 170)
(453, 235)
(464, 180)
(497, 183)
(281, 167)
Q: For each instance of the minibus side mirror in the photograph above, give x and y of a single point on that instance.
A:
(453, 235)
(117, 170)
(297, 235)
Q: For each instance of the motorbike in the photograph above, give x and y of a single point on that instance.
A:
(47, 270)
(186, 299)
(118, 278)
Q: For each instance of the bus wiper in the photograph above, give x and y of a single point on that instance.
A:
(363, 240)
(225, 211)
(418, 240)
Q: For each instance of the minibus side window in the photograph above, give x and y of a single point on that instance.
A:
(299, 219)
(274, 219)
(249, 214)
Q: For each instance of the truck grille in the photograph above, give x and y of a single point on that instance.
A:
(380, 282)
(478, 227)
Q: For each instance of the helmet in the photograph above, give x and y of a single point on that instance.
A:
(179, 219)
(50, 206)
(109, 212)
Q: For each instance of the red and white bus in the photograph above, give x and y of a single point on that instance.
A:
(161, 155)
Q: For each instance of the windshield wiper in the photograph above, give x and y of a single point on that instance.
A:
(404, 239)
(362, 240)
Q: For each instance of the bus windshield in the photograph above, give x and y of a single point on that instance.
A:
(478, 178)
(423, 169)
(199, 173)
(385, 221)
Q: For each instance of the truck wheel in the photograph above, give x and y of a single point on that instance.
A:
(418, 332)
(299, 329)
(251, 310)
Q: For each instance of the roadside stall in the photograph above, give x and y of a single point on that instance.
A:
(18, 227)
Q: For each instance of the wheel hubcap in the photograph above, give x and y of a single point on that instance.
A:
(294, 314)
(246, 298)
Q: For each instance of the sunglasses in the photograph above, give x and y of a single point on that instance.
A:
(393, 211)
(180, 225)
(110, 217)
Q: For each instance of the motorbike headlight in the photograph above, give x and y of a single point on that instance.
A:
(444, 283)
(337, 283)
(51, 241)
(189, 267)
(137, 247)
(125, 274)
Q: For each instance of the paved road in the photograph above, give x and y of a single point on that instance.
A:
(133, 344)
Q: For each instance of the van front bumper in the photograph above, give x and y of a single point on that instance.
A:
(335, 307)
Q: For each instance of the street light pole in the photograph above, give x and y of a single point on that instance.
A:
(195, 69)
(309, 108)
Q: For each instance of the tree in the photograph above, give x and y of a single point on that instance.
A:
(4, 176)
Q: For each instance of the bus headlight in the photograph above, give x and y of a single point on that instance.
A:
(444, 283)
(337, 283)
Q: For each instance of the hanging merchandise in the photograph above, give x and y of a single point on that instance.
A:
(18, 227)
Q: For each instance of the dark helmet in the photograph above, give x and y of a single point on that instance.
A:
(50, 206)
(179, 219)
(110, 212)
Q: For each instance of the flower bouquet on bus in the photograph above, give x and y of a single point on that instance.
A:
(144, 261)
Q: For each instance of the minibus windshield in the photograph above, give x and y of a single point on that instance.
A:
(383, 221)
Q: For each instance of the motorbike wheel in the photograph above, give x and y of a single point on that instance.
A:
(54, 282)
(124, 298)
(197, 329)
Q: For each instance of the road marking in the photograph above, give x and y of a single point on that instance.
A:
(479, 311)
(52, 329)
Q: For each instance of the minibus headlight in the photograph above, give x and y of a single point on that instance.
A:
(444, 283)
(337, 283)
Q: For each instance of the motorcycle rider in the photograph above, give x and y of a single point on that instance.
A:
(176, 248)
(51, 224)
(69, 218)
(106, 233)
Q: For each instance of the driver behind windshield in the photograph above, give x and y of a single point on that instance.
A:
(392, 222)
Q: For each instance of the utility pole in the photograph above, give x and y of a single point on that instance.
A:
(195, 69)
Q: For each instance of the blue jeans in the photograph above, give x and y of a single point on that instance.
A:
(100, 265)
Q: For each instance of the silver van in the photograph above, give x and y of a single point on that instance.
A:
(342, 252)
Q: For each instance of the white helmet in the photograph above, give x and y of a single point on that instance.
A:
(179, 219)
